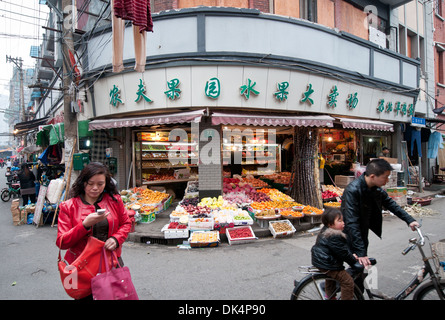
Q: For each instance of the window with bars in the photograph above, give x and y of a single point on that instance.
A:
(308, 10)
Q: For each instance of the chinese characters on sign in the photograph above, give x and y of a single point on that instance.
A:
(115, 98)
(141, 92)
(247, 89)
(307, 94)
(174, 92)
(332, 97)
(403, 108)
(212, 90)
(281, 94)
(352, 101)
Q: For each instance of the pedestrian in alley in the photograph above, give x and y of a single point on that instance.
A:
(78, 219)
(27, 184)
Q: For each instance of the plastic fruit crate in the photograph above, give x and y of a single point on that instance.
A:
(283, 234)
(233, 241)
(174, 233)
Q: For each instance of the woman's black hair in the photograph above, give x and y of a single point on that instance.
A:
(25, 168)
(329, 215)
(92, 169)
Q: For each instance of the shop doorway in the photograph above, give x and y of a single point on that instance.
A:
(372, 147)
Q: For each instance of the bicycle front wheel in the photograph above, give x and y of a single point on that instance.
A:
(429, 292)
(5, 195)
(312, 287)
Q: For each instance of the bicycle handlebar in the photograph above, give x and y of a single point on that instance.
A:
(409, 248)
(420, 242)
(422, 239)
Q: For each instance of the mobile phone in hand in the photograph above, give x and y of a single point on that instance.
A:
(100, 211)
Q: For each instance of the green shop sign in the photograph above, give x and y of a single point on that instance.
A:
(212, 89)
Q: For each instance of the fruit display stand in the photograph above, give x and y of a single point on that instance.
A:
(240, 235)
(281, 228)
(203, 239)
(241, 205)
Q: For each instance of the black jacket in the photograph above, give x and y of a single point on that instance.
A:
(27, 181)
(362, 211)
(331, 250)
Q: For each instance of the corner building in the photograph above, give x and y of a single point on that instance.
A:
(261, 67)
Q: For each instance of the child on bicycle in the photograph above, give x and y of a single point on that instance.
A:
(331, 250)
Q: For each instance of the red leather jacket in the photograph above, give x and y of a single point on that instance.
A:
(75, 235)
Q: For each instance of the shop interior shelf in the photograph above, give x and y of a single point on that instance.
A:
(168, 181)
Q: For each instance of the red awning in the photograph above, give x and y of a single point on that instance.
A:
(183, 117)
(19, 149)
(366, 124)
(272, 120)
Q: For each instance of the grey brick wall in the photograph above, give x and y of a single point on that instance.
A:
(210, 163)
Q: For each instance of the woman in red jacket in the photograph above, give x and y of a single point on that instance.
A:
(78, 220)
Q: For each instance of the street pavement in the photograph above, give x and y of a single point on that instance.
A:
(263, 270)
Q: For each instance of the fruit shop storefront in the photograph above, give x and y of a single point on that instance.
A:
(249, 128)
(254, 194)
(258, 189)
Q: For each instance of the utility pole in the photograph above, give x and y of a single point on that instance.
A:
(70, 117)
(19, 64)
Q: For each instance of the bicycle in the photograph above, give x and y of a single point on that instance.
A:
(13, 190)
(312, 286)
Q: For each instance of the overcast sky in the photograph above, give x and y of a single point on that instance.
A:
(20, 28)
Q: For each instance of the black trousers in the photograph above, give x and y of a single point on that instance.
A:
(26, 197)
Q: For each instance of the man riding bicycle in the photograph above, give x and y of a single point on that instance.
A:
(361, 206)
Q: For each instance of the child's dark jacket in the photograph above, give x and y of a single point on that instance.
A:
(331, 250)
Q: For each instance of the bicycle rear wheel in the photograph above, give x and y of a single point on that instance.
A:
(312, 287)
(5, 195)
